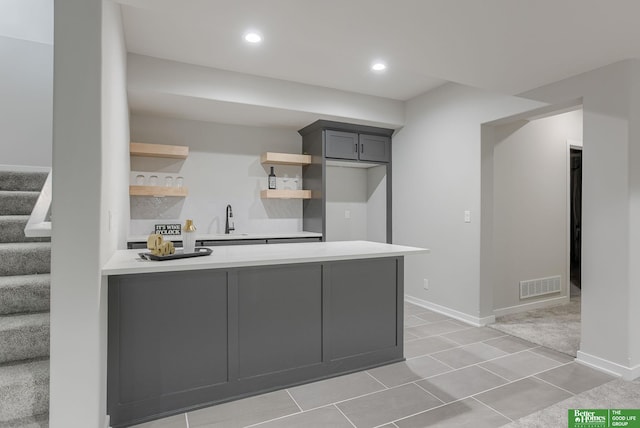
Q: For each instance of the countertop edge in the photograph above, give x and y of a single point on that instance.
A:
(125, 262)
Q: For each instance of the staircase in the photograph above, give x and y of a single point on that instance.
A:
(24, 306)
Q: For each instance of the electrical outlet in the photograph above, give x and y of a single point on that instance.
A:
(426, 284)
(467, 216)
(347, 214)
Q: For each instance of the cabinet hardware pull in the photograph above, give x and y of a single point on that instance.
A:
(356, 150)
(361, 147)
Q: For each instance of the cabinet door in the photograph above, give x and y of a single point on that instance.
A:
(341, 145)
(375, 148)
(167, 341)
(363, 306)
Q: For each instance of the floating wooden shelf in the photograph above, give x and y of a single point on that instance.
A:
(285, 159)
(158, 191)
(158, 150)
(285, 194)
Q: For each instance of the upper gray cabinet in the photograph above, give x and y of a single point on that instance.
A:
(375, 148)
(341, 145)
(355, 146)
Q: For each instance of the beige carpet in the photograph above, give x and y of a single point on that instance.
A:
(557, 327)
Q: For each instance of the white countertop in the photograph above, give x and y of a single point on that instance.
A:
(230, 256)
(231, 236)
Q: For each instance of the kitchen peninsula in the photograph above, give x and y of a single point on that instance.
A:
(247, 319)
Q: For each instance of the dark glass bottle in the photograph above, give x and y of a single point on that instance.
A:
(272, 179)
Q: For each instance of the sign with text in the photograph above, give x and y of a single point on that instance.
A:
(604, 418)
(168, 229)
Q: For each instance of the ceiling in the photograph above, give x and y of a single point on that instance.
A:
(508, 46)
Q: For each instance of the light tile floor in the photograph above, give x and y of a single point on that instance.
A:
(455, 375)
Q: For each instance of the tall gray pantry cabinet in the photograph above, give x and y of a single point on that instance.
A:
(336, 144)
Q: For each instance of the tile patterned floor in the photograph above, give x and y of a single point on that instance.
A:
(455, 375)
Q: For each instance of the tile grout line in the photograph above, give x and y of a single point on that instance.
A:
(376, 379)
(491, 408)
(556, 386)
(294, 400)
(346, 417)
(542, 355)
(429, 392)
(257, 424)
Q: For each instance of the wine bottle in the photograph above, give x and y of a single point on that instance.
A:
(272, 179)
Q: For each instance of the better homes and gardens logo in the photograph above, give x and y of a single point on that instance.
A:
(603, 418)
(588, 418)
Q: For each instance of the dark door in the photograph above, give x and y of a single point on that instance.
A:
(576, 216)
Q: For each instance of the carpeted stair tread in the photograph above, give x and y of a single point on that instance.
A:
(18, 180)
(17, 202)
(40, 421)
(12, 229)
(24, 390)
(24, 293)
(24, 336)
(25, 258)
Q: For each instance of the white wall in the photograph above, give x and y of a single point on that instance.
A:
(530, 213)
(436, 177)
(170, 88)
(76, 373)
(346, 195)
(610, 212)
(356, 203)
(26, 104)
(89, 181)
(223, 168)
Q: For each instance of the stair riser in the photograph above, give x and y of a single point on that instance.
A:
(17, 203)
(24, 398)
(30, 181)
(37, 260)
(12, 230)
(25, 298)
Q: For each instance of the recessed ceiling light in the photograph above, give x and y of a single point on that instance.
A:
(378, 66)
(253, 37)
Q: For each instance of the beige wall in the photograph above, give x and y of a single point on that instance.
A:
(530, 204)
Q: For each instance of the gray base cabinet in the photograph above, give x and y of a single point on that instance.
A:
(184, 340)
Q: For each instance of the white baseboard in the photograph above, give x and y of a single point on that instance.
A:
(107, 422)
(470, 319)
(614, 369)
(546, 303)
(23, 168)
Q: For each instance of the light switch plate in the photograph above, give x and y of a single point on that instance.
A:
(467, 216)
(347, 214)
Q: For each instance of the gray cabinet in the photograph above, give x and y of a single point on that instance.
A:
(374, 148)
(134, 245)
(336, 144)
(354, 146)
(182, 340)
(341, 145)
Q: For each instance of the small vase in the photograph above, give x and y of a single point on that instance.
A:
(188, 237)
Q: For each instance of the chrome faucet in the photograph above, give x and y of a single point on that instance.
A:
(228, 227)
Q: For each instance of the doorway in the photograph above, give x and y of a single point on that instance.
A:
(575, 212)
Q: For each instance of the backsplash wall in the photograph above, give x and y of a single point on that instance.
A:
(223, 168)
